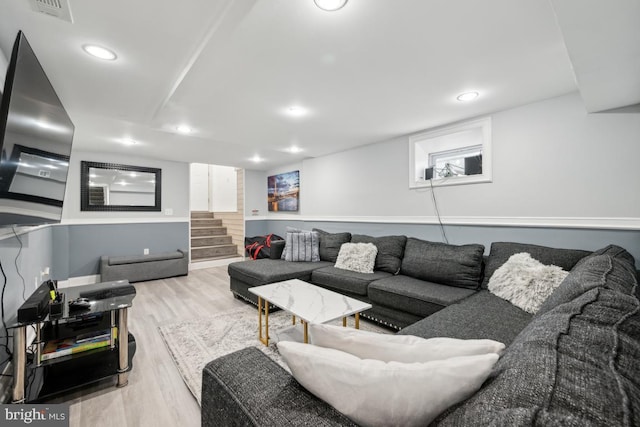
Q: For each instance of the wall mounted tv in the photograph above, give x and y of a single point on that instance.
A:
(36, 134)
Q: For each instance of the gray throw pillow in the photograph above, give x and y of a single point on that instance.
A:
(330, 244)
(301, 246)
(441, 263)
(390, 250)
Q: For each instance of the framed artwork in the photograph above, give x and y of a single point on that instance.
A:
(283, 192)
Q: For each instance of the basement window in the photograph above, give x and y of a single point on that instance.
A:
(451, 155)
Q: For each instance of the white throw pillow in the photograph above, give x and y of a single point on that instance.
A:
(376, 393)
(525, 282)
(359, 257)
(397, 348)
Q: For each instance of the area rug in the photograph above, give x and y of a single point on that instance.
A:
(194, 343)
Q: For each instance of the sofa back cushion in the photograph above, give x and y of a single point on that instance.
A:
(330, 244)
(390, 250)
(590, 272)
(442, 263)
(502, 251)
(574, 365)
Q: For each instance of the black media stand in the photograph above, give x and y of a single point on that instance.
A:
(43, 374)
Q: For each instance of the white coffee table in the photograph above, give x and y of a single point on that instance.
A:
(311, 303)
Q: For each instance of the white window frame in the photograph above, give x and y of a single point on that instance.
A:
(424, 144)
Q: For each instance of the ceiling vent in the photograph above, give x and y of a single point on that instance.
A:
(57, 8)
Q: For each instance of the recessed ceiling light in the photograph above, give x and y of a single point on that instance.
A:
(99, 52)
(330, 5)
(184, 129)
(256, 159)
(295, 149)
(296, 111)
(129, 141)
(467, 96)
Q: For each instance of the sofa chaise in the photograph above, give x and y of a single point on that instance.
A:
(576, 362)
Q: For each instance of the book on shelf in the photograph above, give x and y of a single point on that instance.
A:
(64, 347)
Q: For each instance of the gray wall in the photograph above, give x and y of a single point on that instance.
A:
(78, 248)
(561, 177)
(22, 268)
(589, 239)
(175, 189)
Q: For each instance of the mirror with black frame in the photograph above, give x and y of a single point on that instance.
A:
(113, 187)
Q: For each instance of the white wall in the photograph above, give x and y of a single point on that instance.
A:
(224, 188)
(175, 194)
(199, 187)
(550, 160)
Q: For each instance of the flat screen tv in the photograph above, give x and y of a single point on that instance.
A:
(36, 134)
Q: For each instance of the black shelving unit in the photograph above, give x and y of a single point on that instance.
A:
(36, 380)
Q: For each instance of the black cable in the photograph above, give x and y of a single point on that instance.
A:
(435, 204)
(15, 261)
(4, 323)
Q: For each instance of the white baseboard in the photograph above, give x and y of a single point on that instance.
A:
(214, 263)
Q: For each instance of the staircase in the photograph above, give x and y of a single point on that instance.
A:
(209, 239)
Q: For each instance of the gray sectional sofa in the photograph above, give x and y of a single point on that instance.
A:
(412, 278)
(576, 362)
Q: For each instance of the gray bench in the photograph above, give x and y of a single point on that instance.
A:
(138, 268)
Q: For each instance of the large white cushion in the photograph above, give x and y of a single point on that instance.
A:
(376, 393)
(397, 348)
(359, 257)
(525, 282)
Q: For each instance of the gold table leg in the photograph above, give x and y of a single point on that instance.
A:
(344, 322)
(263, 304)
(293, 319)
(357, 320)
(306, 331)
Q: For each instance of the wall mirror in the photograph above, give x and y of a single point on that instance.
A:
(112, 187)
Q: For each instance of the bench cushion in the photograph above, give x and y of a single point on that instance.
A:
(134, 259)
(415, 296)
(264, 271)
(452, 265)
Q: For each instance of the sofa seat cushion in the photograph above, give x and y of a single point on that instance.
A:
(415, 296)
(345, 280)
(481, 316)
(502, 251)
(452, 265)
(136, 259)
(575, 365)
(264, 271)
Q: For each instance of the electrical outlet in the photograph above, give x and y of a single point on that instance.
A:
(168, 211)
(146, 251)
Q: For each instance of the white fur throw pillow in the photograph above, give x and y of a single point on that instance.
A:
(359, 257)
(525, 282)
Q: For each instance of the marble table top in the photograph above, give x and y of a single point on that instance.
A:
(309, 302)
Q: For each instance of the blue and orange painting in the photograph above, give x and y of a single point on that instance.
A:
(283, 191)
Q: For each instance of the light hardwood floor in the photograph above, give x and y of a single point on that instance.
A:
(156, 395)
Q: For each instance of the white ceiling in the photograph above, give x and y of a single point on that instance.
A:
(374, 70)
